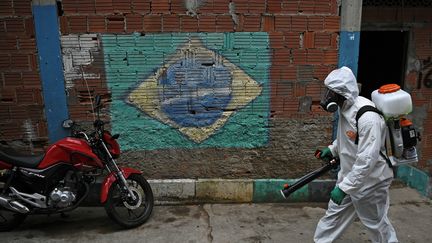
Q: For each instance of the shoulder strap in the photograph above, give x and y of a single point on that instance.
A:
(387, 160)
(360, 112)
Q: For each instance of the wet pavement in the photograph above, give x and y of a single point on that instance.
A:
(410, 213)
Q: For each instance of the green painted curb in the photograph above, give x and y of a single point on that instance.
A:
(257, 190)
(268, 190)
(416, 179)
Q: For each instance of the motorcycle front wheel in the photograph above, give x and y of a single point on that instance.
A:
(127, 212)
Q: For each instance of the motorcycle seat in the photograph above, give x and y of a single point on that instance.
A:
(21, 160)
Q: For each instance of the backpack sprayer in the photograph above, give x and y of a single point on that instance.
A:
(401, 137)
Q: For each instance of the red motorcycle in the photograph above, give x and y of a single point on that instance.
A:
(60, 180)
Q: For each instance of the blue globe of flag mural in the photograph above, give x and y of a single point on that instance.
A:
(194, 94)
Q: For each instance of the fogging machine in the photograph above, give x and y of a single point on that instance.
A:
(329, 165)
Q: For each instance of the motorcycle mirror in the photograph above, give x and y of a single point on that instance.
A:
(68, 123)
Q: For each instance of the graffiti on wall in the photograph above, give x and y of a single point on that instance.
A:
(188, 90)
(426, 73)
(79, 51)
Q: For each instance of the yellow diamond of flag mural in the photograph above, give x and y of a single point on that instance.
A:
(189, 90)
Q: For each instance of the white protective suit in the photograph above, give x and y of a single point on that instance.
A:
(364, 175)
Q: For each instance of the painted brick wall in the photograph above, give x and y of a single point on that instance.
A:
(418, 79)
(22, 119)
(265, 61)
(266, 127)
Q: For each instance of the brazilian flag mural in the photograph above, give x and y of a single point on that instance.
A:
(189, 90)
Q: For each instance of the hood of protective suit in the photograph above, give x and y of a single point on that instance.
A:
(343, 82)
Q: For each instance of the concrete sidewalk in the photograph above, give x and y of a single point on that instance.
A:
(410, 213)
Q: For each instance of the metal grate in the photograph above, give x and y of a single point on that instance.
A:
(397, 3)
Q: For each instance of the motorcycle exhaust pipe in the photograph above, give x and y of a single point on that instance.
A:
(289, 189)
(13, 205)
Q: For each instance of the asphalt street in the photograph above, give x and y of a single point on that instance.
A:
(410, 213)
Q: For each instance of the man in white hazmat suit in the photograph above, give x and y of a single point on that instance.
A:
(362, 187)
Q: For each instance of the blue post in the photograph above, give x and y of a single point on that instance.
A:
(51, 66)
(349, 43)
(349, 40)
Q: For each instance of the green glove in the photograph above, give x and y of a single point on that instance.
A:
(326, 154)
(337, 195)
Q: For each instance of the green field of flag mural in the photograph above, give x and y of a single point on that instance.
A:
(189, 90)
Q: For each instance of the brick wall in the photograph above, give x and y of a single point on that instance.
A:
(418, 79)
(300, 37)
(22, 118)
(302, 46)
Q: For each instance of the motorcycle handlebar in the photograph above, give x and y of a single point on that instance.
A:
(84, 135)
(78, 131)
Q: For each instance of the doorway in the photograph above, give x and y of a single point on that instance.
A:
(382, 59)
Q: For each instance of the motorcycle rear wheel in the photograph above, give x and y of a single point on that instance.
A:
(126, 213)
(10, 220)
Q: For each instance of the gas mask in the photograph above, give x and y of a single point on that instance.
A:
(331, 100)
